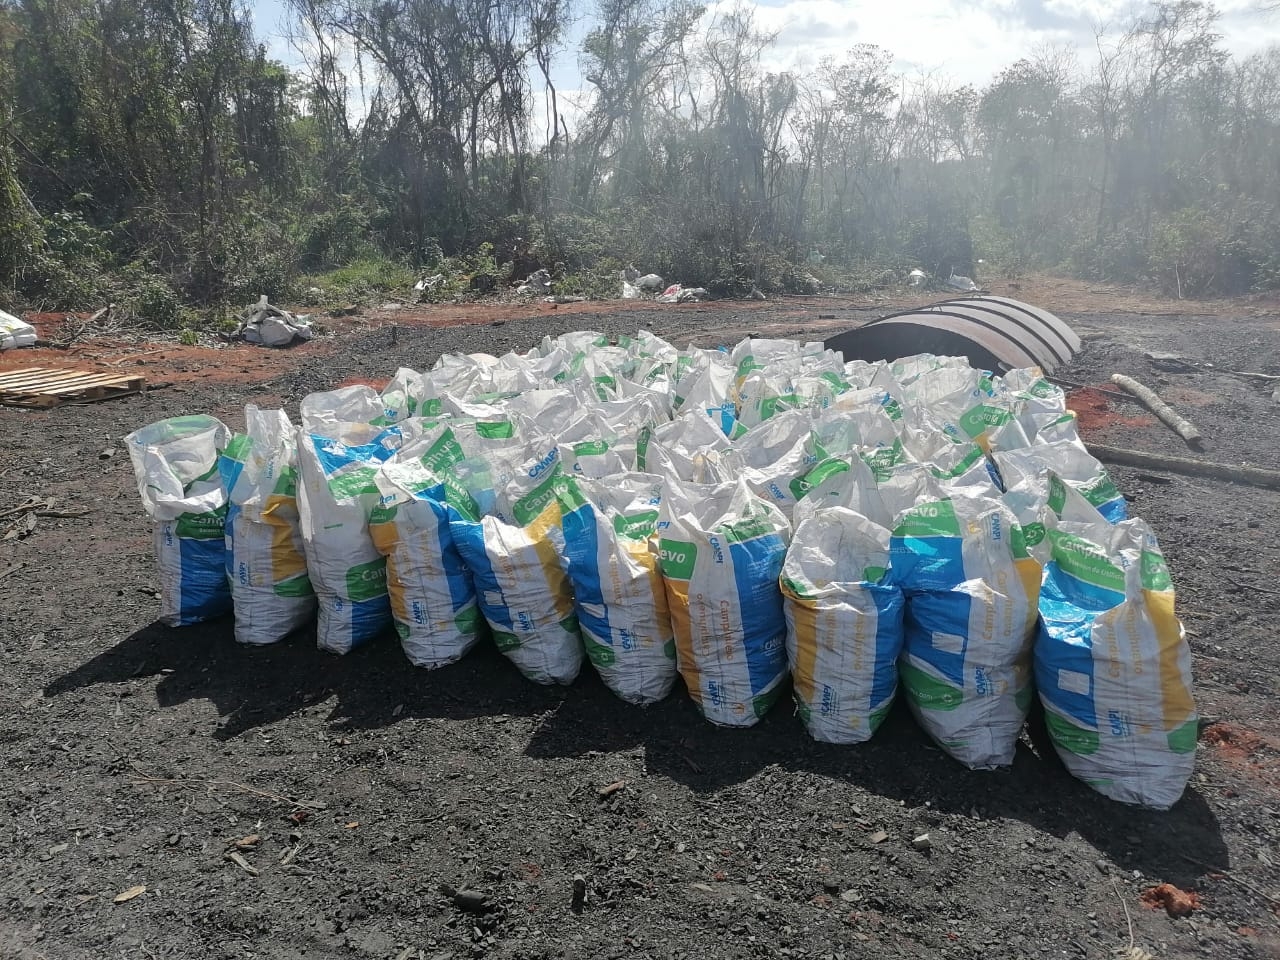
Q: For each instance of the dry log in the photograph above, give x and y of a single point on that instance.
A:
(1166, 413)
(1255, 476)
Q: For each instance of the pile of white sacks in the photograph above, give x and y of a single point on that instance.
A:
(735, 516)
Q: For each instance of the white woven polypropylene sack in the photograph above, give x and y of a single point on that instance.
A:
(844, 624)
(721, 549)
(971, 589)
(175, 462)
(611, 554)
(336, 493)
(505, 518)
(265, 559)
(1112, 664)
(433, 596)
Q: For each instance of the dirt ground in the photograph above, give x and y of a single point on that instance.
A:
(135, 755)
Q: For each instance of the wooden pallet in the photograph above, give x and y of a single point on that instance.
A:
(52, 387)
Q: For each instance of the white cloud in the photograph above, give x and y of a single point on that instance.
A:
(965, 41)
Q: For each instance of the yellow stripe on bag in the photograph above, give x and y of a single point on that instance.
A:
(686, 660)
(1031, 574)
(804, 614)
(1178, 704)
(539, 531)
(287, 561)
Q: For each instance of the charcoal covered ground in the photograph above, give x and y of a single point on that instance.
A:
(137, 755)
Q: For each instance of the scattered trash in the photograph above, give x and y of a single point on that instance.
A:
(630, 291)
(272, 327)
(468, 901)
(917, 277)
(15, 333)
(958, 282)
(1176, 902)
(129, 894)
(680, 294)
(608, 790)
(429, 283)
(538, 282)
(650, 283)
(242, 863)
(755, 293)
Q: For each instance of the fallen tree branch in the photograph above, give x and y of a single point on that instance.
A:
(1231, 876)
(145, 778)
(1166, 413)
(1255, 476)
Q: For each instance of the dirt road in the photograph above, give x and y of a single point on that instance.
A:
(136, 755)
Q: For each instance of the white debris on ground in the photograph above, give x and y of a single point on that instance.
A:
(15, 333)
(272, 327)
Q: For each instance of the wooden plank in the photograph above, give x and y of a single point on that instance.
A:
(44, 387)
(85, 380)
(45, 378)
(27, 378)
(122, 382)
(13, 373)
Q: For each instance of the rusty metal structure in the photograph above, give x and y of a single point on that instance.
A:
(994, 333)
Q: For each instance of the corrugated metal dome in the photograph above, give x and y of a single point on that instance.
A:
(994, 333)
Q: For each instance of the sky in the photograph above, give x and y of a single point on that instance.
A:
(958, 41)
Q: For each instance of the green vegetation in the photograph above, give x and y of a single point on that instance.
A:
(153, 156)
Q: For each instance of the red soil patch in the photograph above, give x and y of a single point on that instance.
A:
(1178, 903)
(1235, 742)
(376, 382)
(1093, 411)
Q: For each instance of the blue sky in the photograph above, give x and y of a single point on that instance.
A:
(962, 41)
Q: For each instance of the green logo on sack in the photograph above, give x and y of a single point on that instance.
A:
(677, 558)
(1155, 572)
(882, 460)
(636, 526)
(1069, 737)
(366, 581)
(740, 531)
(459, 498)
(495, 429)
(598, 653)
(1085, 561)
(201, 526)
(936, 519)
(299, 586)
(505, 642)
(381, 514)
(536, 500)
(823, 471)
(467, 622)
(444, 453)
(353, 483)
(590, 448)
(928, 692)
(795, 588)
